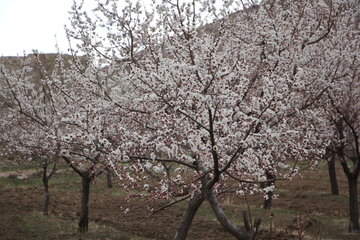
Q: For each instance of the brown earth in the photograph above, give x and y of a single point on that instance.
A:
(306, 197)
(105, 209)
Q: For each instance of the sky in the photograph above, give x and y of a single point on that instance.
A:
(27, 25)
(33, 24)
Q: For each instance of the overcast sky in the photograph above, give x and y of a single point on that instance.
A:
(32, 24)
(35, 24)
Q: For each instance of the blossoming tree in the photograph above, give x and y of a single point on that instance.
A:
(57, 116)
(228, 102)
(24, 131)
(341, 105)
(205, 100)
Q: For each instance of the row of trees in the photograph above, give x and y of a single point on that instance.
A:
(187, 100)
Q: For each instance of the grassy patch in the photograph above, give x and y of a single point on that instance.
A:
(40, 227)
(7, 165)
(66, 181)
(7, 183)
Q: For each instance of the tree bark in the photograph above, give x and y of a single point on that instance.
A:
(332, 176)
(84, 214)
(45, 180)
(225, 222)
(188, 216)
(268, 200)
(269, 195)
(353, 205)
(109, 178)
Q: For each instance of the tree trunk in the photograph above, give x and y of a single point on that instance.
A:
(188, 216)
(225, 222)
(84, 214)
(45, 181)
(353, 205)
(269, 195)
(109, 178)
(268, 199)
(332, 176)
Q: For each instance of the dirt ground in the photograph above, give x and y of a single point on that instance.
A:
(305, 198)
(105, 209)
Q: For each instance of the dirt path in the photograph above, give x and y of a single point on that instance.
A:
(19, 174)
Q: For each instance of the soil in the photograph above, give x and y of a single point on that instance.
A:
(105, 209)
(10, 216)
(307, 195)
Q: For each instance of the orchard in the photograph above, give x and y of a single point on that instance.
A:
(191, 103)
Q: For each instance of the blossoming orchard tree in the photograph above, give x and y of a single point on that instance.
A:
(228, 102)
(23, 134)
(58, 116)
(206, 100)
(83, 127)
(341, 105)
(343, 115)
(25, 141)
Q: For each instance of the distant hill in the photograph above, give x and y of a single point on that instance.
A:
(47, 60)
